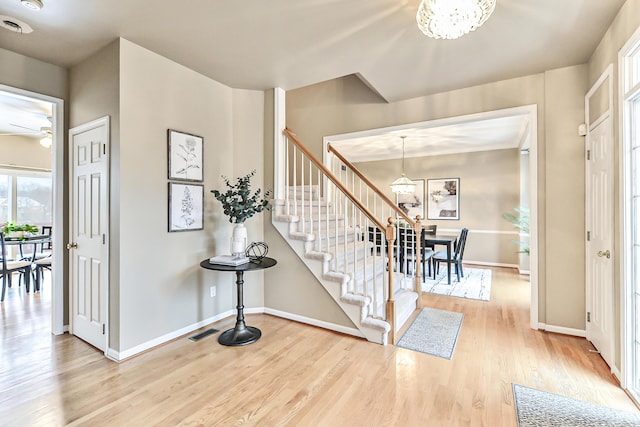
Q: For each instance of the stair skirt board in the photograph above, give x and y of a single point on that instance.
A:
(347, 289)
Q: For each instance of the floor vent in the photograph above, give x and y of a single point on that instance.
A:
(203, 334)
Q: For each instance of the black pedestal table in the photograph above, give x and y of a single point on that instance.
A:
(241, 334)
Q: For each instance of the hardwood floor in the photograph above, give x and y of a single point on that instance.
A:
(297, 375)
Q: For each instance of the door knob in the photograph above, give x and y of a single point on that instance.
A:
(604, 253)
(72, 245)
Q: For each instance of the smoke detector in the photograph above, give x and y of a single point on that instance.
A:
(32, 4)
(15, 25)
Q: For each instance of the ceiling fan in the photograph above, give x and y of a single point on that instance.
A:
(45, 133)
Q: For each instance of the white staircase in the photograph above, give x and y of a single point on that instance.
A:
(331, 231)
(346, 265)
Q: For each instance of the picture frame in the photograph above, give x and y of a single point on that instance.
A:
(186, 207)
(443, 199)
(185, 156)
(413, 204)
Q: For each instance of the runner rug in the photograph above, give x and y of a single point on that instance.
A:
(536, 408)
(433, 332)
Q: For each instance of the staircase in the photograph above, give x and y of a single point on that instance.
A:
(345, 243)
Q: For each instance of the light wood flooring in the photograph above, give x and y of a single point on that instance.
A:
(296, 375)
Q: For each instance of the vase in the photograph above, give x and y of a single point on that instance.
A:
(238, 240)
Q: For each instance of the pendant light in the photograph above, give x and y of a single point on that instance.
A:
(403, 185)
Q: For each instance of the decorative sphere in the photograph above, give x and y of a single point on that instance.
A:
(256, 251)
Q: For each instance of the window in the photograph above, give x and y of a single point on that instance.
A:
(26, 197)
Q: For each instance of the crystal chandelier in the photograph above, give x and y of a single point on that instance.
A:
(403, 185)
(450, 19)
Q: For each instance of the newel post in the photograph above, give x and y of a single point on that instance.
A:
(390, 235)
(418, 256)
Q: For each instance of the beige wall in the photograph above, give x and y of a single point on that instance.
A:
(94, 92)
(156, 284)
(489, 187)
(23, 151)
(564, 173)
(26, 73)
(346, 105)
(622, 28)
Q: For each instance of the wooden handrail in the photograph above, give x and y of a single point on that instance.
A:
(333, 179)
(415, 225)
(375, 189)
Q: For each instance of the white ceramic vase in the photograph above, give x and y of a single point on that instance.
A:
(238, 240)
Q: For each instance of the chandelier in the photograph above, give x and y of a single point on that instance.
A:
(450, 19)
(403, 185)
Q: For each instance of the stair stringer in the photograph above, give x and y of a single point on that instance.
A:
(356, 306)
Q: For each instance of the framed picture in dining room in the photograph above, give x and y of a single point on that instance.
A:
(412, 204)
(443, 198)
(185, 156)
(186, 207)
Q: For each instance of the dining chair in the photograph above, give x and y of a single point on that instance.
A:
(10, 267)
(430, 230)
(41, 265)
(456, 256)
(45, 247)
(376, 237)
(407, 239)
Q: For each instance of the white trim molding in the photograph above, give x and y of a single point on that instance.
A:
(562, 330)
(119, 356)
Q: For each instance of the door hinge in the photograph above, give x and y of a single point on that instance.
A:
(588, 316)
(103, 329)
(588, 154)
(104, 239)
(104, 149)
(588, 236)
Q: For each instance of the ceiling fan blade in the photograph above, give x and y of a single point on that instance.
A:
(24, 127)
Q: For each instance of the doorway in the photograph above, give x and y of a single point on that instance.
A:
(56, 132)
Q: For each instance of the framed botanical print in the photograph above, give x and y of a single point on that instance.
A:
(186, 206)
(185, 156)
(443, 198)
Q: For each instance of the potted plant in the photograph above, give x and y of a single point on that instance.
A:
(239, 204)
(10, 229)
(521, 222)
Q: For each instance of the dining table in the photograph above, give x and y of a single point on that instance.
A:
(25, 242)
(446, 240)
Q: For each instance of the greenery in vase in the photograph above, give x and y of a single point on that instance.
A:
(11, 226)
(521, 222)
(238, 202)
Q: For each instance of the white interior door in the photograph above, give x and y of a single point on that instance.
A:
(88, 240)
(599, 225)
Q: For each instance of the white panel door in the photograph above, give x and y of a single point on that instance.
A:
(89, 215)
(599, 245)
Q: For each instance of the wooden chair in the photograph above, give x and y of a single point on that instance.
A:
(430, 230)
(407, 239)
(456, 256)
(9, 267)
(45, 247)
(41, 265)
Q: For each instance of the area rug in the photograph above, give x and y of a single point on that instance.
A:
(433, 332)
(476, 284)
(536, 408)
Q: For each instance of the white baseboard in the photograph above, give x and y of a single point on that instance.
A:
(122, 355)
(524, 272)
(119, 356)
(562, 330)
(314, 322)
(489, 264)
(616, 373)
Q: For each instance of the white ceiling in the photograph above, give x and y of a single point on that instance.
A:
(257, 44)
(426, 140)
(23, 116)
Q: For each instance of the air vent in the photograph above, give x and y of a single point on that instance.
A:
(15, 25)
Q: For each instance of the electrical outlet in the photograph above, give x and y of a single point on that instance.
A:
(212, 291)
